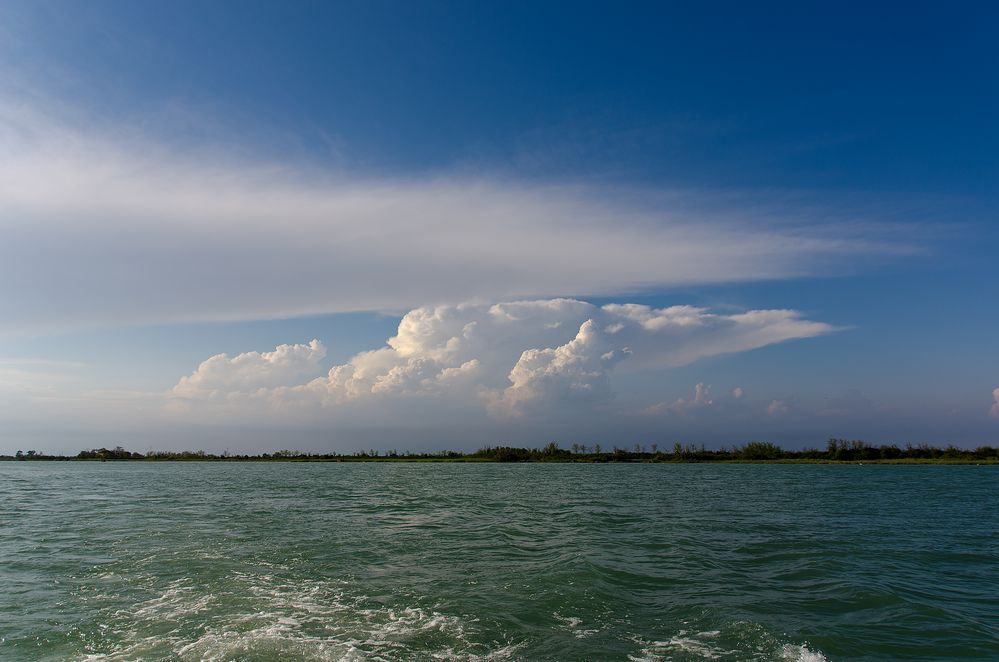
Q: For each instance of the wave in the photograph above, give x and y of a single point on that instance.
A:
(248, 616)
(267, 617)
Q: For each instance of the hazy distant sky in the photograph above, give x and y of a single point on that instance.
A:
(332, 226)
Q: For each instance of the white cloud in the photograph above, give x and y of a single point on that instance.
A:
(221, 375)
(702, 399)
(512, 359)
(105, 226)
(576, 371)
(994, 411)
(778, 408)
(20, 377)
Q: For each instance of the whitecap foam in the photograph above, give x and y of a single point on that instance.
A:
(573, 623)
(737, 642)
(271, 616)
(179, 600)
(795, 653)
(691, 646)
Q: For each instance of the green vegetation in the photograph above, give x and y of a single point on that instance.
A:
(837, 450)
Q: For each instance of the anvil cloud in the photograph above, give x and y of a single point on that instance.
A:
(106, 227)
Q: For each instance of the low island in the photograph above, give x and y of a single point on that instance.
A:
(836, 451)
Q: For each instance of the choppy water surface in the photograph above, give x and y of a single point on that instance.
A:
(213, 561)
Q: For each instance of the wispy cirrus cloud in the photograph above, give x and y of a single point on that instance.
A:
(36, 377)
(108, 226)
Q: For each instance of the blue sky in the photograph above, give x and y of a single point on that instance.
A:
(183, 180)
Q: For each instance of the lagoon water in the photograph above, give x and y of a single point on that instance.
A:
(394, 561)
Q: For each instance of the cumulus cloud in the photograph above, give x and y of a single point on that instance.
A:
(221, 375)
(994, 411)
(105, 226)
(577, 371)
(510, 359)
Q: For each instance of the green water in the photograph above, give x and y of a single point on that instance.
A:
(212, 561)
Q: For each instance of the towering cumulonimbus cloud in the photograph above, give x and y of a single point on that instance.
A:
(511, 359)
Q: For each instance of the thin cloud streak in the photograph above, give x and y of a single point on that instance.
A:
(109, 227)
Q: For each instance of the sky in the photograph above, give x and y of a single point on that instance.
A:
(335, 226)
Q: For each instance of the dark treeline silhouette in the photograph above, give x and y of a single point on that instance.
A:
(837, 450)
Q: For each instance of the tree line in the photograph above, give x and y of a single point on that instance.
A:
(836, 450)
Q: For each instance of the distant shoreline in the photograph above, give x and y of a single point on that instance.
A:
(838, 451)
(438, 460)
